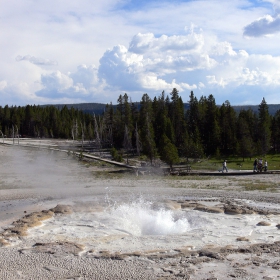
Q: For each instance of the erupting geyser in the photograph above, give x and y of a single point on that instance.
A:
(141, 218)
(145, 226)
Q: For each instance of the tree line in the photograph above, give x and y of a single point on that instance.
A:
(158, 128)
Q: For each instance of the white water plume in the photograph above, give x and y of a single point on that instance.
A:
(140, 218)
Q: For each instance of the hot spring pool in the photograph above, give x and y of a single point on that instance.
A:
(146, 226)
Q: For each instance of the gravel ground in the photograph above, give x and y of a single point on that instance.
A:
(35, 180)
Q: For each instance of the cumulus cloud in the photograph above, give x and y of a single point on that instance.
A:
(266, 25)
(247, 70)
(142, 43)
(36, 60)
(149, 59)
(78, 84)
(207, 56)
(85, 76)
(190, 62)
(151, 64)
(54, 84)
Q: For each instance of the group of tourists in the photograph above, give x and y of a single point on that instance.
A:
(259, 166)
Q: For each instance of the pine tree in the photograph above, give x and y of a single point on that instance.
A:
(211, 127)
(168, 152)
(192, 145)
(146, 127)
(227, 125)
(162, 122)
(245, 142)
(108, 119)
(177, 117)
(264, 133)
(275, 132)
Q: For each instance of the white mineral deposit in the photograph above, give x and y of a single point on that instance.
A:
(61, 218)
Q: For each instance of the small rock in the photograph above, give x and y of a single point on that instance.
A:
(233, 210)
(209, 209)
(209, 254)
(264, 224)
(242, 239)
(62, 209)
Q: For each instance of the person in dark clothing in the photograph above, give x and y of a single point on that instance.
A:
(255, 165)
(265, 165)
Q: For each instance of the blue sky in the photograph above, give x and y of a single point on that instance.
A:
(66, 51)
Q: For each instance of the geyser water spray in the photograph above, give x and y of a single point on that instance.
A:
(142, 218)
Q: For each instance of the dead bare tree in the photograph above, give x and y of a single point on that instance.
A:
(17, 133)
(127, 142)
(2, 135)
(97, 137)
(83, 134)
(110, 136)
(13, 133)
(74, 130)
(138, 143)
(101, 129)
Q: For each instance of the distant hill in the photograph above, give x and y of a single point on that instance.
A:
(98, 108)
(272, 108)
(90, 108)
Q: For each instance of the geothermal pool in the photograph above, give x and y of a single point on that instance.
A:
(145, 226)
(118, 215)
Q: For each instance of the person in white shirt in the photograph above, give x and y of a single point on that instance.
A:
(225, 166)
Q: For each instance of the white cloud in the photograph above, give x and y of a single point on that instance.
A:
(149, 59)
(48, 50)
(245, 69)
(141, 43)
(3, 85)
(83, 85)
(265, 25)
(56, 80)
(86, 76)
(222, 49)
(36, 60)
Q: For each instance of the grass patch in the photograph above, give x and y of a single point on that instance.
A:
(189, 178)
(179, 185)
(235, 163)
(193, 186)
(259, 186)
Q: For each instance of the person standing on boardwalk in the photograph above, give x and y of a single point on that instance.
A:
(260, 165)
(225, 166)
(265, 165)
(255, 165)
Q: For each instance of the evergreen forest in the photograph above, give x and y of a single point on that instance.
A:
(158, 128)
